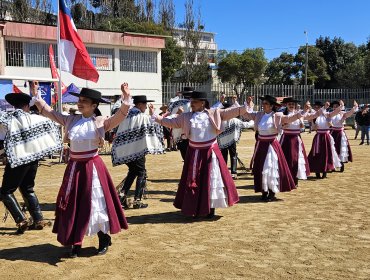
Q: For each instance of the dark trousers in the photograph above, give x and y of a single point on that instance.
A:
(233, 157)
(23, 177)
(136, 169)
(365, 132)
(183, 147)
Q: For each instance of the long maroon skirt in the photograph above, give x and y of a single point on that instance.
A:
(193, 194)
(290, 145)
(320, 157)
(286, 182)
(337, 135)
(73, 205)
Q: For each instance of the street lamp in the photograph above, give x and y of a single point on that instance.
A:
(306, 66)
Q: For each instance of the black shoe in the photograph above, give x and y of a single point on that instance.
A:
(342, 168)
(22, 227)
(264, 196)
(104, 242)
(75, 251)
(139, 204)
(271, 196)
(124, 202)
(211, 213)
(318, 175)
(323, 175)
(361, 143)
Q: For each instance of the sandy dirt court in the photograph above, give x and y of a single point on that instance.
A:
(319, 231)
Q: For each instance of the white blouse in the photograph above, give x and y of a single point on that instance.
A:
(266, 125)
(84, 136)
(322, 122)
(293, 125)
(201, 130)
(337, 120)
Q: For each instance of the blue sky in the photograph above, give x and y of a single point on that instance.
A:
(272, 24)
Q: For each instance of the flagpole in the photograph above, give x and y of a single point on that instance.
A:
(59, 63)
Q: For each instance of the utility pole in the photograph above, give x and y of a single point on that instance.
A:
(306, 66)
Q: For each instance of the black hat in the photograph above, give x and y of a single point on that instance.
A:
(16, 99)
(141, 99)
(336, 102)
(290, 99)
(187, 91)
(270, 99)
(199, 95)
(226, 105)
(318, 103)
(90, 93)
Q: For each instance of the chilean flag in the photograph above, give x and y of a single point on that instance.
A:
(74, 56)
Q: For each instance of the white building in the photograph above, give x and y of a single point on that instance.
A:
(207, 44)
(118, 57)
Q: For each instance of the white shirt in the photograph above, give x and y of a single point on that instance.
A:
(83, 135)
(201, 130)
(266, 125)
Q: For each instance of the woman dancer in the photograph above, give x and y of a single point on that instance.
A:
(87, 203)
(323, 157)
(292, 144)
(337, 132)
(205, 182)
(270, 169)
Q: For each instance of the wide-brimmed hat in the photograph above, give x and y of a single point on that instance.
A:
(187, 91)
(141, 99)
(318, 103)
(16, 99)
(199, 95)
(270, 99)
(90, 93)
(336, 102)
(289, 100)
(226, 105)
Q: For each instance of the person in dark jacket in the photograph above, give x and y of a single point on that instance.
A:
(364, 122)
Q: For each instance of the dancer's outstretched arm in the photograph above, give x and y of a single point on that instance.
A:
(174, 122)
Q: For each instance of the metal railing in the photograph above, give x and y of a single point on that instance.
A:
(138, 61)
(299, 92)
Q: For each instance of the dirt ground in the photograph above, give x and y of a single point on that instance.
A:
(319, 231)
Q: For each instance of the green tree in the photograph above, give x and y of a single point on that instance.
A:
(244, 69)
(317, 68)
(281, 70)
(172, 57)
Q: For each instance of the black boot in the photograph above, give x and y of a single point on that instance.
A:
(211, 213)
(323, 175)
(318, 175)
(34, 208)
(342, 167)
(264, 196)
(124, 202)
(104, 242)
(75, 251)
(15, 210)
(271, 196)
(234, 166)
(140, 185)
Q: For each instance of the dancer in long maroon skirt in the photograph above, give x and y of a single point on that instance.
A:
(205, 182)
(337, 132)
(323, 158)
(270, 169)
(292, 144)
(87, 203)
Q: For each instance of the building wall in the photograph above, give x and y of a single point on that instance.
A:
(109, 82)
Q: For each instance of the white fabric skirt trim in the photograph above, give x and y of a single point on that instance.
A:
(336, 160)
(301, 174)
(99, 220)
(218, 195)
(270, 172)
(344, 151)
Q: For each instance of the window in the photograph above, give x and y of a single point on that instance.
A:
(28, 54)
(138, 61)
(206, 38)
(103, 59)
